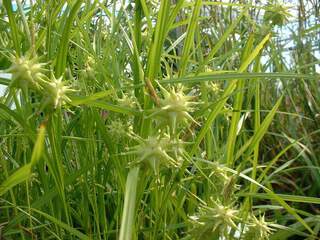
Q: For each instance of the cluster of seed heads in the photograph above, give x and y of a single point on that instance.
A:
(220, 219)
(155, 151)
(166, 150)
(28, 73)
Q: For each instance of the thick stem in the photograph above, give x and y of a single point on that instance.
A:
(128, 213)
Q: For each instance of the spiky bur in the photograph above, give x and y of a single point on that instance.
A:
(119, 129)
(257, 229)
(156, 152)
(213, 88)
(215, 220)
(27, 72)
(57, 91)
(276, 14)
(174, 107)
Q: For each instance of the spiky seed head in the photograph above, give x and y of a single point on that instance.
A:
(58, 91)
(154, 151)
(258, 229)
(27, 72)
(216, 217)
(175, 107)
(277, 14)
(215, 88)
(118, 129)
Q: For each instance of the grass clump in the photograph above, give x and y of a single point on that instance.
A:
(159, 120)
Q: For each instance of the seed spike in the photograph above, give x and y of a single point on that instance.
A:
(58, 91)
(175, 107)
(27, 72)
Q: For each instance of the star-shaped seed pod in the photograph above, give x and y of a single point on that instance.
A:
(277, 14)
(175, 107)
(215, 218)
(58, 91)
(155, 152)
(119, 130)
(258, 229)
(26, 72)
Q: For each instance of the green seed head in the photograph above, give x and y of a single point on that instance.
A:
(258, 229)
(214, 87)
(277, 14)
(27, 73)
(58, 91)
(175, 107)
(118, 129)
(155, 152)
(215, 218)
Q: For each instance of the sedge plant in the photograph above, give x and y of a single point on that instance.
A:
(159, 120)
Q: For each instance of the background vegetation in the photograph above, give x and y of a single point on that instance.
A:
(159, 119)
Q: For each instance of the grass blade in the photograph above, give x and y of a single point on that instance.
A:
(128, 215)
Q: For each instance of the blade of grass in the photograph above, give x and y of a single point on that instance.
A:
(63, 50)
(189, 40)
(249, 146)
(24, 173)
(219, 106)
(128, 214)
(14, 30)
(237, 107)
(65, 226)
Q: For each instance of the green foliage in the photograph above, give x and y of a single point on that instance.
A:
(159, 120)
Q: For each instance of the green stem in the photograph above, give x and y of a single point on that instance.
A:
(128, 214)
